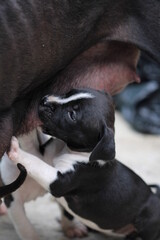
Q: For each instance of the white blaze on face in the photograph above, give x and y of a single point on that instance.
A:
(59, 100)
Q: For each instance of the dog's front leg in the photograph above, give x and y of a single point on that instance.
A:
(40, 171)
(20, 221)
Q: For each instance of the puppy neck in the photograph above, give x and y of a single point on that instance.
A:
(73, 151)
(86, 155)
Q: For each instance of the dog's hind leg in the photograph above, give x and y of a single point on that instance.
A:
(148, 222)
(133, 236)
(20, 221)
(71, 227)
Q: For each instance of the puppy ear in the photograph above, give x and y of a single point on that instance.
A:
(105, 148)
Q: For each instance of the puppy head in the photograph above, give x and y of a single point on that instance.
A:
(84, 119)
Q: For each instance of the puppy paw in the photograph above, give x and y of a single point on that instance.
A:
(3, 209)
(78, 231)
(14, 151)
(73, 228)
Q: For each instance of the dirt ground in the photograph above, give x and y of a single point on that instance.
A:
(140, 152)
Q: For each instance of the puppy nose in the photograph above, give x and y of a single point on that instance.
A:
(44, 101)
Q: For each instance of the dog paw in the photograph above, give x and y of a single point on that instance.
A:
(3, 209)
(74, 229)
(13, 153)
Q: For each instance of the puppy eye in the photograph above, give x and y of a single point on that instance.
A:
(72, 115)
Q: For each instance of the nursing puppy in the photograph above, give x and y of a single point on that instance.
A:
(86, 178)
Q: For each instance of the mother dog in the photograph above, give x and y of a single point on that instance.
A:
(63, 44)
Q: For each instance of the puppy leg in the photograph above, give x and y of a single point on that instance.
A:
(20, 221)
(40, 171)
(71, 227)
(133, 236)
(148, 221)
(3, 209)
(152, 231)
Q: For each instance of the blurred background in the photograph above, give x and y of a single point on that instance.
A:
(137, 145)
(139, 104)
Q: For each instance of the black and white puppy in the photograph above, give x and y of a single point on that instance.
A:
(85, 178)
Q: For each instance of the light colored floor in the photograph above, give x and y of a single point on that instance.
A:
(138, 151)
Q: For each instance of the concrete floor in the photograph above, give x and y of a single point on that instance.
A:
(140, 152)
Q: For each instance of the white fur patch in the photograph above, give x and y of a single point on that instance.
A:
(75, 97)
(67, 159)
(101, 162)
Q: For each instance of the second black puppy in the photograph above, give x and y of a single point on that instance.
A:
(86, 179)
